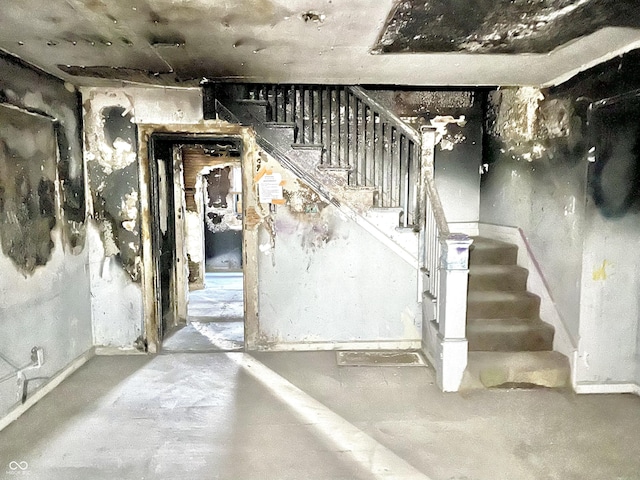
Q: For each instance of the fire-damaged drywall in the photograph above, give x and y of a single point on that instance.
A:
(563, 165)
(324, 280)
(44, 286)
(110, 149)
(457, 116)
(27, 187)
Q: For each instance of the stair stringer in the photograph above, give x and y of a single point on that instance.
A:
(326, 193)
(563, 342)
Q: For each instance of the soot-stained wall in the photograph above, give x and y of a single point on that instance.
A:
(27, 187)
(37, 92)
(44, 286)
(563, 165)
(111, 116)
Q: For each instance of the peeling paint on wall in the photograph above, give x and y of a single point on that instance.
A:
(439, 109)
(529, 125)
(515, 116)
(36, 92)
(113, 176)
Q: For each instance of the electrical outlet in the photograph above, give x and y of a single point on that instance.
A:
(37, 356)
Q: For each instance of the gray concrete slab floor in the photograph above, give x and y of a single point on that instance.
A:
(300, 416)
(215, 317)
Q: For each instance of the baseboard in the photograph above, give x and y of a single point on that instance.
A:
(112, 351)
(604, 388)
(563, 342)
(331, 346)
(36, 396)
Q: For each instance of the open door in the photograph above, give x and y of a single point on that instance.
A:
(177, 195)
(181, 270)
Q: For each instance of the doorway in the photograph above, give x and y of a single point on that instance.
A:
(198, 242)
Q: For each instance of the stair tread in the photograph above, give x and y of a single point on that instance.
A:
(486, 251)
(485, 242)
(307, 146)
(524, 360)
(506, 323)
(384, 209)
(499, 296)
(280, 124)
(335, 168)
(252, 101)
(488, 269)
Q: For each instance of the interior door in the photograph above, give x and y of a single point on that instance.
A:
(181, 270)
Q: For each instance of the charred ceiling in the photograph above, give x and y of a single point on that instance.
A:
(499, 26)
(171, 42)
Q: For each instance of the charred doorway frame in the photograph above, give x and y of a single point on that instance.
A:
(201, 132)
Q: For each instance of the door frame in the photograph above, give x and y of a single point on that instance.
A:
(201, 132)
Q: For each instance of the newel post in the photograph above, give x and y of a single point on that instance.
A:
(452, 312)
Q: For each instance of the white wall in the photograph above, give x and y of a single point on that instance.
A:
(49, 309)
(324, 280)
(610, 300)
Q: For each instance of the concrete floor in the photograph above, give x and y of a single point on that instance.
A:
(300, 416)
(215, 317)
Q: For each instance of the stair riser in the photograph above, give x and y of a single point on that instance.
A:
(491, 341)
(280, 137)
(506, 282)
(526, 307)
(307, 159)
(507, 369)
(259, 112)
(493, 256)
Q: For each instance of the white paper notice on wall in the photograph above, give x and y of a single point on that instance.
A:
(270, 188)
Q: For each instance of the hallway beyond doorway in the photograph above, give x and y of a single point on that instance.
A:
(215, 320)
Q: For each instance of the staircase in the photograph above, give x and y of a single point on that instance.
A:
(343, 144)
(509, 345)
(364, 160)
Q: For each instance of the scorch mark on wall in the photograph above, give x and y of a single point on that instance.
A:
(28, 204)
(111, 153)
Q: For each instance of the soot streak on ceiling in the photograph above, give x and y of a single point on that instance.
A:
(499, 26)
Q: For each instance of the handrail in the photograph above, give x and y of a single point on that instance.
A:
(434, 228)
(430, 182)
(362, 137)
(390, 116)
